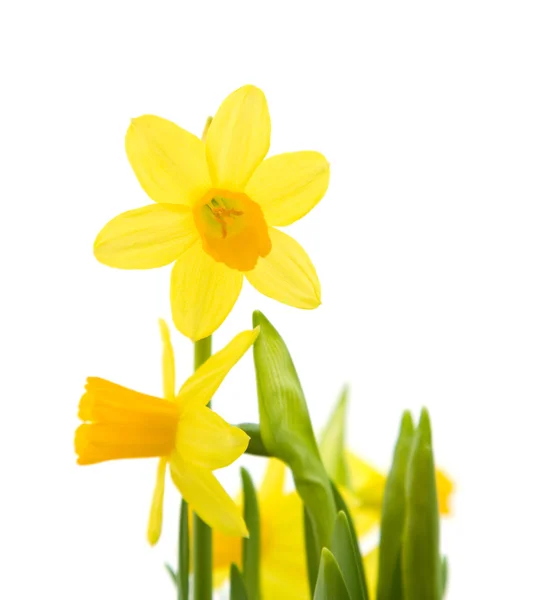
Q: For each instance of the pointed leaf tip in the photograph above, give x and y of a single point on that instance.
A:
(407, 423)
(424, 426)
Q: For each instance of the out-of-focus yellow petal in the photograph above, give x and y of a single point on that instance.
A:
(168, 161)
(273, 483)
(367, 483)
(238, 138)
(205, 439)
(283, 570)
(168, 362)
(445, 489)
(207, 498)
(365, 518)
(288, 186)
(156, 510)
(202, 385)
(203, 292)
(146, 238)
(371, 569)
(225, 550)
(287, 273)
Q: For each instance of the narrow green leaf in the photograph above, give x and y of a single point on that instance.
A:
(444, 569)
(330, 584)
(332, 442)
(286, 429)
(420, 556)
(256, 445)
(345, 553)
(341, 506)
(389, 585)
(183, 552)
(251, 545)
(313, 552)
(238, 590)
(171, 572)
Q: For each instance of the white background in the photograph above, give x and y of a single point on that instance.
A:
(424, 245)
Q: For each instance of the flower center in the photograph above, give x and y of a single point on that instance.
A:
(232, 229)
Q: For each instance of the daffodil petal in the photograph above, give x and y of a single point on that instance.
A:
(202, 385)
(203, 292)
(288, 186)
(273, 483)
(146, 238)
(238, 138)
(287, 273)
(169, 162)
(371, 570)
(445, 489)
(207, 440)
(206, 496)
(156, 510)
(168, 362)
(283, 571)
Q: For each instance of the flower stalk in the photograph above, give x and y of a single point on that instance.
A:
(202, 534)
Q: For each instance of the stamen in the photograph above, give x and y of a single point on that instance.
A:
(220, 214)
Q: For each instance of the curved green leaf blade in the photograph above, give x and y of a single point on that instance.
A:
(172, 573)
(420, 556)
(330, 584)
(389, 585)
(332, 442)
(251, 545)
(312, 552)
(286, 429)
(444, 569)
(341, 506)
(345, 553)
(237, 585)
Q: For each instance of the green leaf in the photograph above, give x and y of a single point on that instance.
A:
(286, 429)
(171, 572)
(313, 551)
(330, 584)
(341, 506)
(332, 442)
(183, 552)
(345, 553)
(444, 570)
(251, 545)
(389, 585)
(256, 445)
(420, 557)
(238, 590)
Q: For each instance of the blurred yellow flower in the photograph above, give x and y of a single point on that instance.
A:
(371, 571)
(283, 573)
(364, 495)
(218, 204)
(178, 428)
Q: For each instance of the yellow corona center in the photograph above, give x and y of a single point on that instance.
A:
(122, 423)
(232, 229)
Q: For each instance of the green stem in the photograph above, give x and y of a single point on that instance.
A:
(202, 534)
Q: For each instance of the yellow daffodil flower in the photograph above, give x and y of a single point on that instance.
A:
(364, 496)
(178, 428)
(371, 571)
(218, 204)
(283, 573)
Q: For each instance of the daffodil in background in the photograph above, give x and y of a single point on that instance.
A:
(218, 204)
(179, 429)
(364, 491)
(282, 558)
